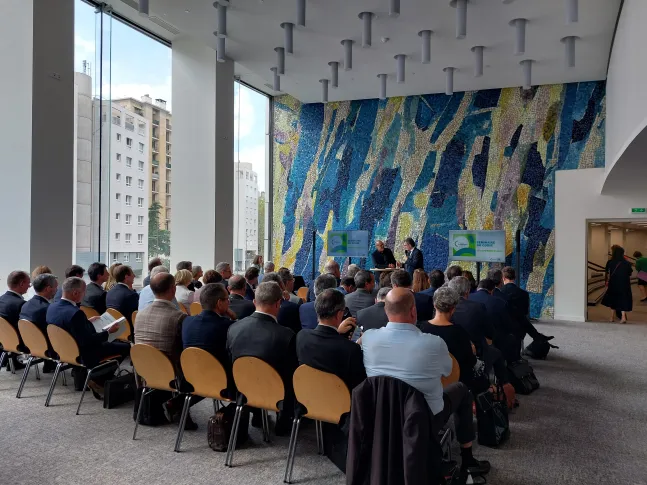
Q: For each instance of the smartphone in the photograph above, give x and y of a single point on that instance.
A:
(357, 333)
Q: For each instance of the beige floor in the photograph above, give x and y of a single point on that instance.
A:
(601, 313)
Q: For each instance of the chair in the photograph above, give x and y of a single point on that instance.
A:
(89, 312)
(157, 371)
(134, 317)
(116, 314)
(260, 387)
(10, 342)
(325, 398)
(195, 308)
(454, 375)
(37, 343)
(303, 293)
(69, 356)
(208, 378)
(183, 308)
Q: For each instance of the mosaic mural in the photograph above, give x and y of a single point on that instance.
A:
(421, 165)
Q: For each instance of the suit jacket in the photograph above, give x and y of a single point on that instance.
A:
(69, 317)
(414, 261)
(424, 306)
(382, 259)
(95, 297)
(473, 317)
(59, 293)
(147, 280)
(518, 300)
(10, 305)
(240, 306)
(429, 292)
(372, 317)
(308, 315)
(160, 325)
(358, 300)
(289, 316)
(249, 292)
(497, 310)
(260, 336)
(35, 310)
(123, 299)
(324, 349)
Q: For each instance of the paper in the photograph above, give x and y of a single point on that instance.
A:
(106, 320)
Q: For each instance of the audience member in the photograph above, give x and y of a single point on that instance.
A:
(210, 276)
(122, 297)
(208, 330)
(197, 274)
(385, 278)
(74, 271)
(470, 278)
(436, 280)
(288, 282)
(363, 296)
(241, 306)
(258, 261)
(352, 270)
(95, 295)
(424, 304)
(261, 336)
(289, 313)
(110, 284)
(11, 303)
(427, 359)
(453, 272)
(146, 296)
(420, 281)
(251, 276)
(267, 268)
(183, 294)
(35, 311)
(331, 267)
(307, 312)
(374, 316)
(187, 265)
(225, 271)
(38, 270)
(153, 263)
(347, 285)
(93, 345)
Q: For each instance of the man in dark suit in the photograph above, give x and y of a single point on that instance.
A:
(382, 256)
(363, 296)
(374, 316)
(95, 295)
(74, 271)
(436, 280)
(208, 330)
(454, 271)
(331, 267)
(307, 312)
(11, 303)
(414, 256)
(347, 285)
(241, 307)
(289, 313)
(122, 297)
(93, 345)
(424, 304)
(35, 311)
(261, 336)
(153, 263)
(251, 276)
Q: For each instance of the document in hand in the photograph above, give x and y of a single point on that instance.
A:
(106, 321)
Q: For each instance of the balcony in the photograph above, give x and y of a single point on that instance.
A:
(156, 163)
(130, 126)
(156, 121)
(168, 164)
(155, 176)
(168, 125)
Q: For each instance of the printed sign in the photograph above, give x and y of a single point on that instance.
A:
(352, 244)
(483, 246)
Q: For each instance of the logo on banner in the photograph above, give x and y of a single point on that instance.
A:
(464, 244)
(339, 243)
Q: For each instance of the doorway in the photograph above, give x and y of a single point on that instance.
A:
(602, 235)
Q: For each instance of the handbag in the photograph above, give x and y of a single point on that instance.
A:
(220, 426)
(642, 275)
(522, 377)
(492, 419)
(119, 390)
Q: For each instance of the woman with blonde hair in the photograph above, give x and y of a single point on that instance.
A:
(183, 295)
(420, 280)
(111, 279)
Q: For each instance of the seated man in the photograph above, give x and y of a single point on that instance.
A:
(424, 303)
(237, 303)
(307, 312)
(74, 271)
(122, 297)
(436, 279)
(453, 272)
(331, 267)
(211, 276)
(251, 276)
(347, 285)
(267, 268)
(288, 282)
(160, 325)
(225, 271)
(289, 313)
(93, 345)
(402, 351)
(35, 311)
(363, 296)
(153, 263)
(261, 336)
(374, 316)
(11, 303)
(95, 295)
(146, 296)
(208, 330)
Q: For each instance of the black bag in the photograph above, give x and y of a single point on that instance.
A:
(538, 349)
(522, 377)
(79, 374)
(152, 411)
(221, 424)
(491, 419)
(119, 390)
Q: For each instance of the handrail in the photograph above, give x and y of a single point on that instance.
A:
(591, 263)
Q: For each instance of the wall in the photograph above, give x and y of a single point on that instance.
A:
(598, 244)
(635, 241)
(422, 165)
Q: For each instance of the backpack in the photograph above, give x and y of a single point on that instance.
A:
(220, 426)
(538, 349)
(522, 377)
(491, 419)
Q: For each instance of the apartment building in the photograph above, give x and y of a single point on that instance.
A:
(246, 195)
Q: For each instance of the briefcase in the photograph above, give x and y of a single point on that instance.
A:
(119, 390)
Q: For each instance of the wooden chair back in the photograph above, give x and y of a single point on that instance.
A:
(9, 337)
(64, 345)
(195, 308)
(454, 375)
(153, 366)
(115, 313)
(34, 339)
(89, 312)
(182, 308)
(259, 383)
(303, 293)
(324, 395)
(204, 372)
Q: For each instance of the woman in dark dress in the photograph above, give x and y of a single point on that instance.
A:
(618, 278)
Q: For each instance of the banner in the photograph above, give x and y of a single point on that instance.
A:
(483, 246)
(353, 244)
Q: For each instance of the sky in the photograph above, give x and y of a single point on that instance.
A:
(134, 65)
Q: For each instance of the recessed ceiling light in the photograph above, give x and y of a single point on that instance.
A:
(187, 11)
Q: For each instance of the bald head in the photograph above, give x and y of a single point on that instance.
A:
(237, 285)
(400, 306)
(163, 286)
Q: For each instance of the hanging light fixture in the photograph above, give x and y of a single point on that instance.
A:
(334, 73)
(461, 17)
(324, 90)
(527, 73)
(449, 80)
(400, 59)
(143, 8)
(478, 60)
(572, 11)
(348, 54)
(569, 45)
(222, 17)
(301, 13)
(288, 37)
(280, 59)
(276, 81)
(382, 78)
(394, 8)
(367, 30)
(520, 39)
(426, 45)
(220, 51)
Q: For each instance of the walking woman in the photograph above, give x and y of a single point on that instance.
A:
(618, 280)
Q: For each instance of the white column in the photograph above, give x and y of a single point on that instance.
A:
(37, 135)
(203, 149)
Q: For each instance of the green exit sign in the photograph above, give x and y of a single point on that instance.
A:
(639, 210)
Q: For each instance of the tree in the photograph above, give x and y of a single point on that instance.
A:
(159, 240)
(261, 223)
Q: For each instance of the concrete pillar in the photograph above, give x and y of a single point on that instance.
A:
(203, 145)
(37, 135)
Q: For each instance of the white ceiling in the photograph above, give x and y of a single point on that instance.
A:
(254, 31)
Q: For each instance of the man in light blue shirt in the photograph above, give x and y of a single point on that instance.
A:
(400, 350)
(146, 296)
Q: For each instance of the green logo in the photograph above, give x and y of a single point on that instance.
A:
(464, 244)
(338, 243)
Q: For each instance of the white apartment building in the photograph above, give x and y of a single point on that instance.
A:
(245, 216)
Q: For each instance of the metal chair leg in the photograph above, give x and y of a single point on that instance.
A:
(12, 366)
(85, 386)
(139, 410)
(294, 450)
(232, 439)
(37, 373)
(216, 405)
(2, 357)
(25, 373)
(180, 431)
(290, 444)
(53, 384)
(266, 425)
(64, 379)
